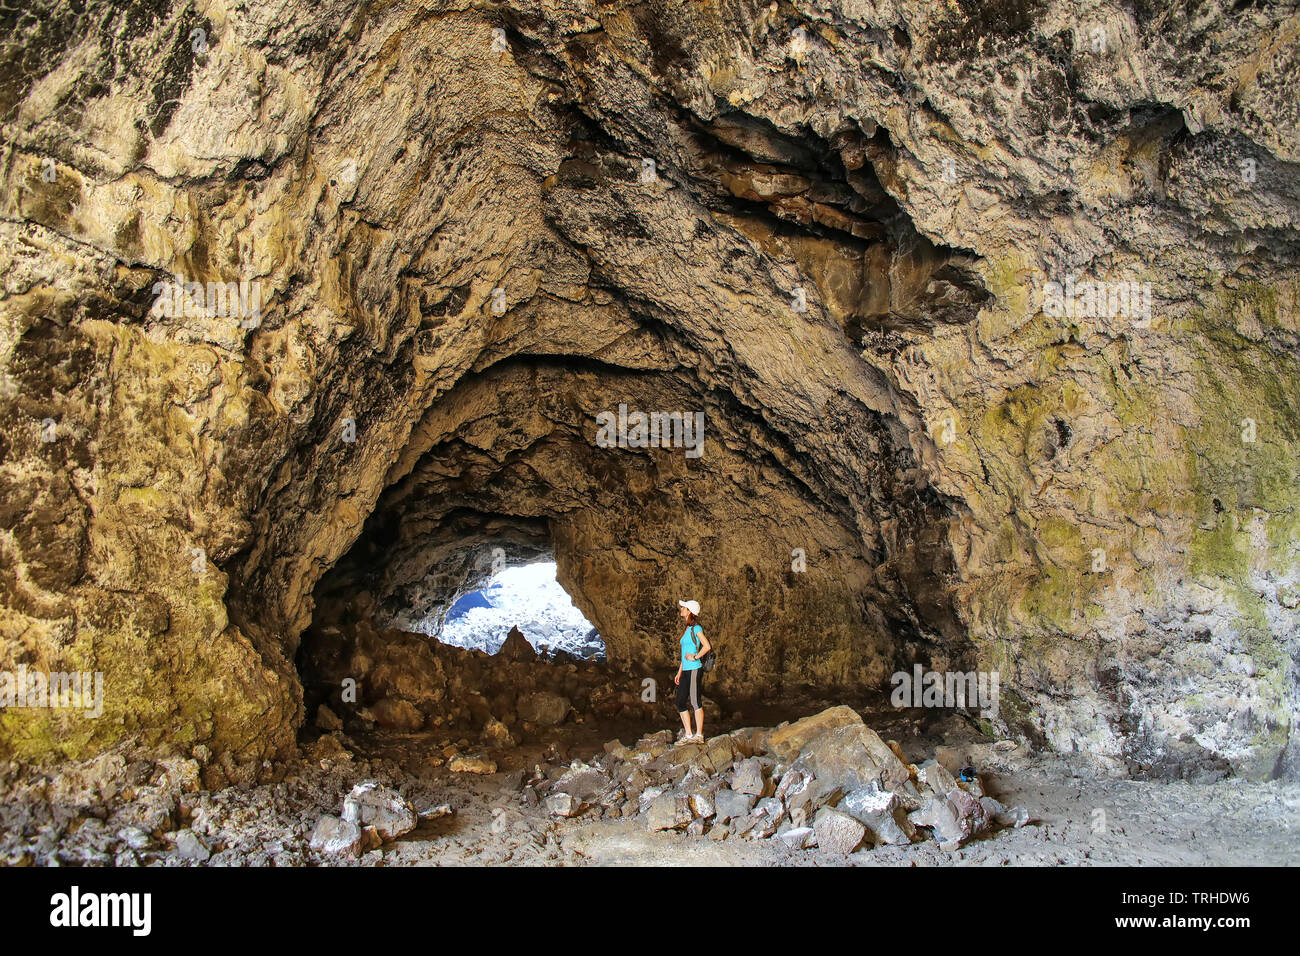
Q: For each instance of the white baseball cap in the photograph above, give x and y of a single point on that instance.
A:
(692, 606)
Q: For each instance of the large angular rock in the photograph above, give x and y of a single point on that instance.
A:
(798, 838)
(970, 812)
(333, 835)
(935, 778)
(563, 805)
(730, 805)
(398, 714)
(497, 734)
(647, 797)
(701, 805)
(785, 742)
(616, 750)
(850, 757)
(749, 741)
(516, 647)
(582, 781)
(792, 783)
(881, 813)
(1004, 816)
(668, 811)
(190, 847)
(938, 816)
(954, 818)
(772, 809)
(472, 763)
(838, 832)
(660, 738)
(749, 777)
(372, 804)
(716, 756)
(543, 707)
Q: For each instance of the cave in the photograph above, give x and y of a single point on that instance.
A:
(905, 339)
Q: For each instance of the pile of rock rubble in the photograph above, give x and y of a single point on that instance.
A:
(827, 781)
(372, 816)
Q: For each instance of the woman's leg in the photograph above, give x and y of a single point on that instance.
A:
(683, 690)
(697, 702)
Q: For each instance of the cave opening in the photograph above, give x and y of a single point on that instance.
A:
(527, 598)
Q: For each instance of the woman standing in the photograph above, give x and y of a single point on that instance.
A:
(690, 693)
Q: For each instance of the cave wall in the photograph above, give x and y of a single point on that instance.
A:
(976, 481)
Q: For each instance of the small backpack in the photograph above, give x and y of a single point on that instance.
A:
(709, 660)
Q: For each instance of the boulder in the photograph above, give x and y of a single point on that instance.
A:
(660, 738)
(135, 838)
(792, 783)
(852, 756)
(679, 756)
(772, 808)
(582, 781)
(951, 759)
(647, 797)
(813, 797)
(881, 813)
(397, 714)
(936, 778)
(749, 741)
(190, 847)
(837, 832)
(563, 805)
(970, 812)
(716, 755)
(909, 796)
(616, 750)
(730, 805)
(370, 803)
(953, 819)
(668, 811)
(543, 707)
(702, 805)
(797, 838)
(1003, 816)
(786, 742)
(327, 720)
(497, 734)
(333, 835)
(749, 777)
(472, 763)
(516, 647)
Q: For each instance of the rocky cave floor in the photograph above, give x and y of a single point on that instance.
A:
(113, 811)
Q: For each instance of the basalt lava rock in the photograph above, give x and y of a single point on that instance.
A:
(895, 333)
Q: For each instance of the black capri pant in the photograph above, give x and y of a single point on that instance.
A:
(690, 692)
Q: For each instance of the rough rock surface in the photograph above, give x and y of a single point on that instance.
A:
(686, 787)
(109, 810)
(835, 244)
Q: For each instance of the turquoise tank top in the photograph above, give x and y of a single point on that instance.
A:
(690, 645)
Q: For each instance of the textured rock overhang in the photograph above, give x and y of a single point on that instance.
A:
(839, 231)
